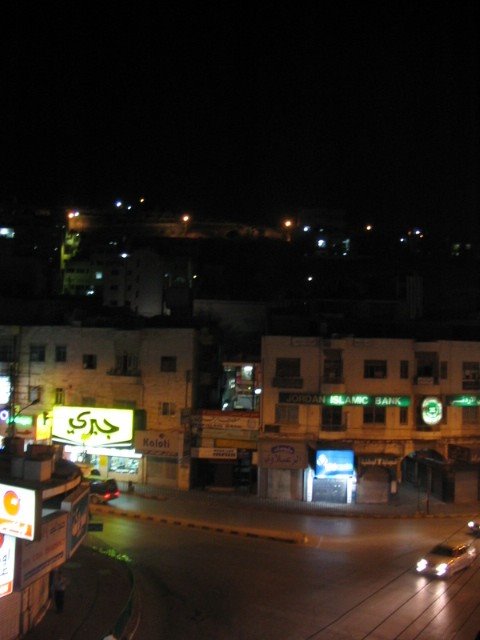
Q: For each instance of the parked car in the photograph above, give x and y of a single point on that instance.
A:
(474, 527)
(447, 558)
(102, 491)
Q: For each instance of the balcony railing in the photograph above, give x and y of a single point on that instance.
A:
(118, 371)
(333, 427)
(425, 380)
(333, 379)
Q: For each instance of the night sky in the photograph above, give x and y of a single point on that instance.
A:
(245, 111)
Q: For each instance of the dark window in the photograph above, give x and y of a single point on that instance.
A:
(287, 368)
(404, 369)
(37, 353)
(60, 353)
(168, 364)
(403, 415)
(374, 415)
(89, 361)
(332, 365)
(59, 396)
(286, 413)
(375, 369)
(168, 409)
(6, 353)
(331, 416)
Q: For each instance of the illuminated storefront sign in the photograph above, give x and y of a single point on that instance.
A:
(20, 511)
(463, 401)
(5, 389)
(7, 564)
(214, 453)
(157, 443)
(92, 426)
(284, 455)
(334, 463)
(432, 410)
(341, 400)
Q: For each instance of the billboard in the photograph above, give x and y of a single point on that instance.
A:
(334, 463)
(40, 557)
(92, 426)
(7, 564)
(20, 511)
(76, 504)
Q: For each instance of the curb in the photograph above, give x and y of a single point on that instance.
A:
(293, 537)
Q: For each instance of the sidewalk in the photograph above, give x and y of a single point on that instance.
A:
(96, 599)
(91, 611)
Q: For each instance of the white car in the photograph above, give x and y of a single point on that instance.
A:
(447, 558)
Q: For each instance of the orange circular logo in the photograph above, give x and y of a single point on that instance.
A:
(11, 503)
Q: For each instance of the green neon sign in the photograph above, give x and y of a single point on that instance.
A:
(343, 400)
(432, 410)
(463, 401)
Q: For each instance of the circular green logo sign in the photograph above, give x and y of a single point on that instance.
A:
(432, 410)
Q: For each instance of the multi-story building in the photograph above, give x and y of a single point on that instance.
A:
(346, 416)
(152, 372)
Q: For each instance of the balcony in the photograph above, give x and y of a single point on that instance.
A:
(471, 385)
(287, 382)
(333, 427)
(425, 380)
(120, 371)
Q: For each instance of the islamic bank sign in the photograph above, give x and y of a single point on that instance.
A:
(341, 400)
(92, 426)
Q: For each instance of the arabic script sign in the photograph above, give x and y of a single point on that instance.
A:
(92, 426)
(283, 455)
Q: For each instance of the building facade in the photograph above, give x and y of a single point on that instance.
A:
(152, 372)
(348, 419)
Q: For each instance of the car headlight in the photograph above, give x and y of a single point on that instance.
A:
(421, 564)
(441, 569)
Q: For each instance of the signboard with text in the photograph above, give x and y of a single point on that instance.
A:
(157, 443)
(7, 564)
(283, 455)
(39, 557)
(77, 505)
(92, 426)
(341, 400)
(20, 511)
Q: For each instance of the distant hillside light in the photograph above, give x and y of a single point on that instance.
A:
(118, 204)
(369, 227)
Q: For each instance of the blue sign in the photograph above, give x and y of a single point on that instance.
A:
(334, 463)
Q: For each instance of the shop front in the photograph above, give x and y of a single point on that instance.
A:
(224, 455)
(100, 440)
(282, 470)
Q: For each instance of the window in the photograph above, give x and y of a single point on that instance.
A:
(286, 413)
(124, 404)
(404, 369)
(168, 364)
(375, 369)
(37, 353)
(89, 361)
(403, 415)
(332, 365)
(470, 415)
(34, 394)
(471, 375)
(59, 396)
(331, 417)
(88, 401)
(287, 368)
(167, 408)
(374, 415)
(60, 353)
(6, 353)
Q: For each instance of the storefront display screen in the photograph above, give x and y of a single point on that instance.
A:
(334, 463)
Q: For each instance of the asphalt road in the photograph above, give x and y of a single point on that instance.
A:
(356, 582)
